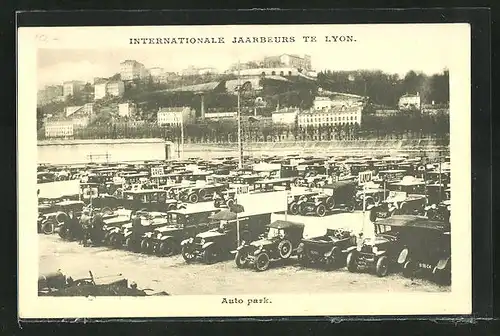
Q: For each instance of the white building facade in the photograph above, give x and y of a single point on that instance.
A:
(59, 129)
(126, 109)
(72, 88)
(331, 117)
(409, 102)
(131, 69)
(175, 116)
(287, 116)
(112, 88)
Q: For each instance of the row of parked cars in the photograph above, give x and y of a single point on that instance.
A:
(408, 243)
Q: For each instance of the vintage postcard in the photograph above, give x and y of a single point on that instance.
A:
(251, 170)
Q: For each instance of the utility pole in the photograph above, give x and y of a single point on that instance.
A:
(240, 147)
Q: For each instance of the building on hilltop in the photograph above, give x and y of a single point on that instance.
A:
(287, 115)
(288, 60)
(409, 102)
(72, 88)
(170, 116)
(111, 88)
(131, 70)
(195, 71)
(126, 109)
(336, 115)
(50, 94)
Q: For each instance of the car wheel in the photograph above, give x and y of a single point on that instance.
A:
(193, 198)
(166, 248)
(241, 259)
(187, 254)
(382, 267)
(230, 203)
(128, 244)
(302, 210)
(373, 214)
(311, 185)
(330, 202)
(352, 262)
(210, 256)
(262, 262)
(202, 194)
(48, 228)
(63, 232)
(294, 208)
(285, 249)
(408, 269)
(350, 207)
(321, 210)
(217, 203)
(145, 246)
(333, 259)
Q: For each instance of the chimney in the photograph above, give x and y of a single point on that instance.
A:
(202, 111)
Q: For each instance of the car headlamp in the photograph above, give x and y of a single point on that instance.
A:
(158, 236)
(191, 240)
(202, 241)
(375, 249)
(448, 208)
(258, 249)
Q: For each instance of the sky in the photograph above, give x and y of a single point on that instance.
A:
(383, 48)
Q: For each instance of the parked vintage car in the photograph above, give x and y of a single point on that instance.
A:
(216, 244)
(299, 196)
(280, 242)
(227, 198)
(201, 193)
(382, 251)
(66, 219)
(428, 252)
(166, 240)
(130, 235)
(110, 222)
(338, 195)
(327, 250)
(150, 200)
(406, 197)
(318, 204)
(314, 181)
(370, 196)
(58, 284)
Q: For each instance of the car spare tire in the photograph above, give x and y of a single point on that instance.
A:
(285, 249)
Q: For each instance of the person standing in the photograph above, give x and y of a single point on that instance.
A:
(85, 225)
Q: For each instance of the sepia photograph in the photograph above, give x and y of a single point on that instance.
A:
(244, 170)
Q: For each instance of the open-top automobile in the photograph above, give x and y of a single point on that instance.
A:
(327, 250)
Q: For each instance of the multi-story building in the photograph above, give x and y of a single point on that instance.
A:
(126, 109)
(100, 91)
(59, 128)
(409, 102)
(175, 115)
(49, 94)
(131, 69)
(221, 115)
(115, 88)
(156, 71)
(288, 60)
(72, 88)
(193, 71)
(112, 88)
(69, 110)
(337, 115)
(88, 109)
(286, 116)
